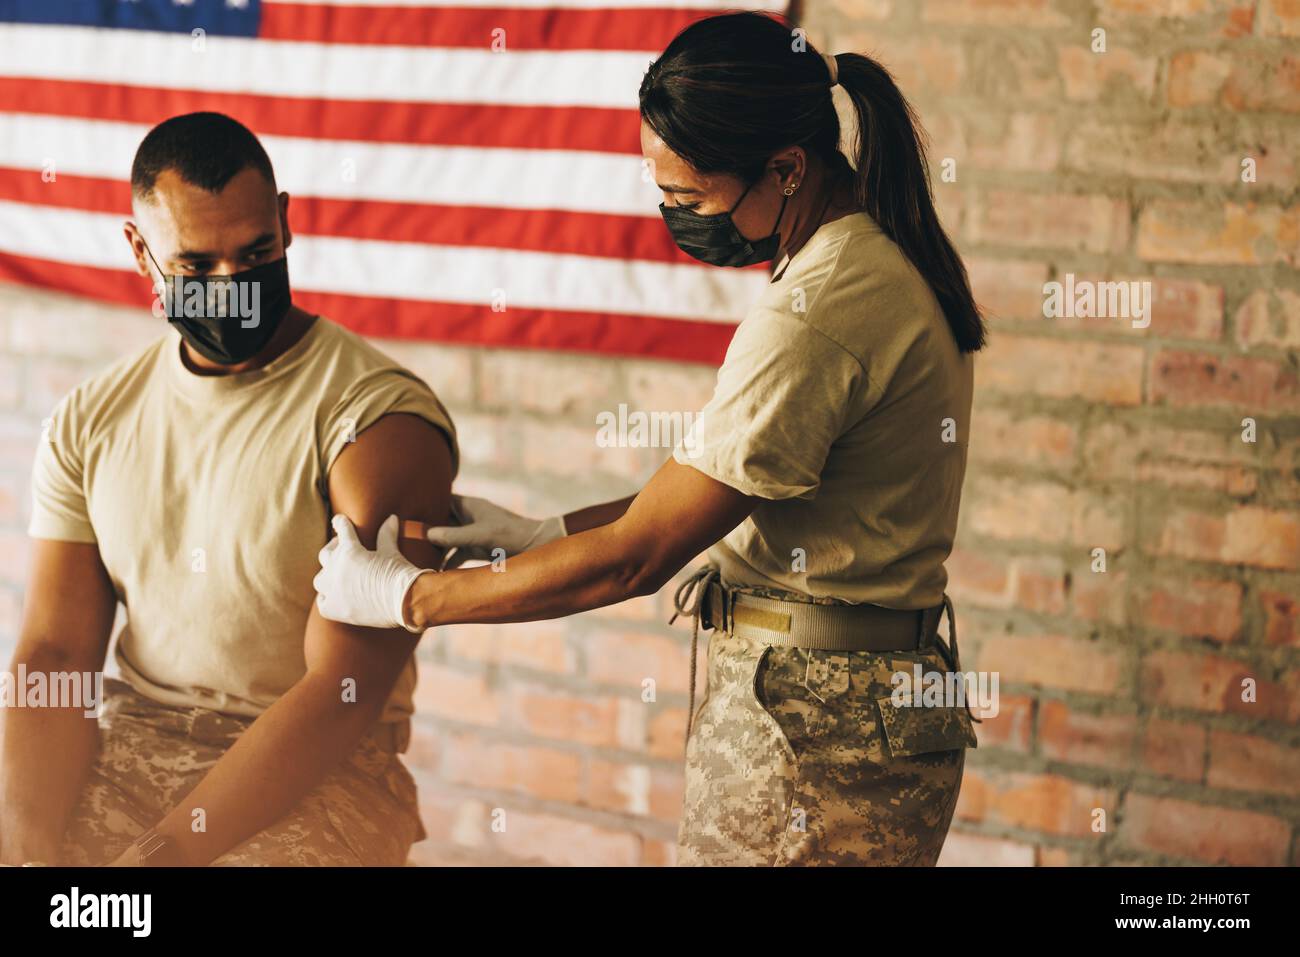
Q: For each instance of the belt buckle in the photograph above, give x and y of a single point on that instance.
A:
(716, 613)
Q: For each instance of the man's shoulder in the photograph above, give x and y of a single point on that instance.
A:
(357, 366)
(352, 349)
(118, 381)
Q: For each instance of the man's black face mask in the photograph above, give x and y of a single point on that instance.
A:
(228, 319)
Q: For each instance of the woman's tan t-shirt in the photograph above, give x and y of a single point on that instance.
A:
(844, 401)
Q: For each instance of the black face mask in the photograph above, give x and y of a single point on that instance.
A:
(228, 319)
(716, 240)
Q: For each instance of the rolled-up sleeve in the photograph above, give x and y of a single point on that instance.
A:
(784, 394)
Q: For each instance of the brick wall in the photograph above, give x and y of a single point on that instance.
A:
(1121, 690)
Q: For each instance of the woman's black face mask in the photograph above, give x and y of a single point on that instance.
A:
(228, 319)
(716, 240)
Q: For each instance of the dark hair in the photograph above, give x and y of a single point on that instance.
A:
(731, 90)
(206, 149)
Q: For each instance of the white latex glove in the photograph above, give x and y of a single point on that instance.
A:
(485, 527)
(358, 586)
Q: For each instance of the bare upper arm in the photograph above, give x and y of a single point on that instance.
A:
(401, 464)
(69, 605)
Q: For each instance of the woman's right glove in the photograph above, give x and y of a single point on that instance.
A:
(484, 527)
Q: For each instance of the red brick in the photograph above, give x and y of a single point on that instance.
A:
(997, 581)
(1258, 386)
(1078, 737)
(1279, 18)
(1013, 726)
(1118, 74)
(547, 383)
(534, 645)
(1258, 80)
(1200, 608)
(973, 850)
(1200, 458)
(636, 789)
(1057, 857)
(1044, 512)
(978, 578)
(597, 721)
(922, 65)
(1209, 683)
(1281, 617)
(566, 842)
(1054, 662)
(564, 450)
(1235, 234)
(1007, 289)
(1012, 13)
(544, 773)
(1174, 749)
(13, 496)
(1039, 802)
(11, 617)
(1247, 535)
(1247, 762)
(1269, 317)
(1100, 596)
(15, 558)
(634, 657)
(1017, 142)
(1023, 439)
(456, 695)
(11, 379)
(1203, 832)
(667, 732)
(1095, 371)
(1229, 18)
(667, 386)
(1056, 220)
(658, 853)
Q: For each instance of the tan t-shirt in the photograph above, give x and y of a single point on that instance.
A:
(208, 499)
(844, 400)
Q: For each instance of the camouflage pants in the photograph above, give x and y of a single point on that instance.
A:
(794, 759)
(151, 755)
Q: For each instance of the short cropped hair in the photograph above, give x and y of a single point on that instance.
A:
(205, 149)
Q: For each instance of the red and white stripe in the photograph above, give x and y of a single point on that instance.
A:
(429, 174)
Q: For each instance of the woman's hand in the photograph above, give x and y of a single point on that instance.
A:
(358, 586)
(485, 527)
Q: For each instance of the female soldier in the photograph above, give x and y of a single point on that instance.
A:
(824, 475)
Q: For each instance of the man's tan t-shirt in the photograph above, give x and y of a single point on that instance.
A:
(845, 402)
(208, 499)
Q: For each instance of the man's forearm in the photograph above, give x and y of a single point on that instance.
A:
(44, 760)
(285, 753)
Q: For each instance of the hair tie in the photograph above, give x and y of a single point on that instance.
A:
(833, 65)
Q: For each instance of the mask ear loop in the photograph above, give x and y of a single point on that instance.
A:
(162, 275)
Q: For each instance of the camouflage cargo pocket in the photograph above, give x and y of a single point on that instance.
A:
(919, 729)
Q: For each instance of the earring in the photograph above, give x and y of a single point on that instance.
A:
(789, 190)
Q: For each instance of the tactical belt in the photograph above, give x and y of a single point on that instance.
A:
(799, 624)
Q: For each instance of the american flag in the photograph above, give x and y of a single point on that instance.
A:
(461, 173)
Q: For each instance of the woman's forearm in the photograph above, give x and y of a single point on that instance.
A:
(582, 571)
(595, 516)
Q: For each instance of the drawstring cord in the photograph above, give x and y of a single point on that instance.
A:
(695, 587)
(955, 664)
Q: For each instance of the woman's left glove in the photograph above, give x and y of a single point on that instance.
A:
(358, 586)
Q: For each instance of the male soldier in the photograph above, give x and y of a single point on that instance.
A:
(195, 483)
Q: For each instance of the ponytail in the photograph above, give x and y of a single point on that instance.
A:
(892, 183)
(731, 90)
